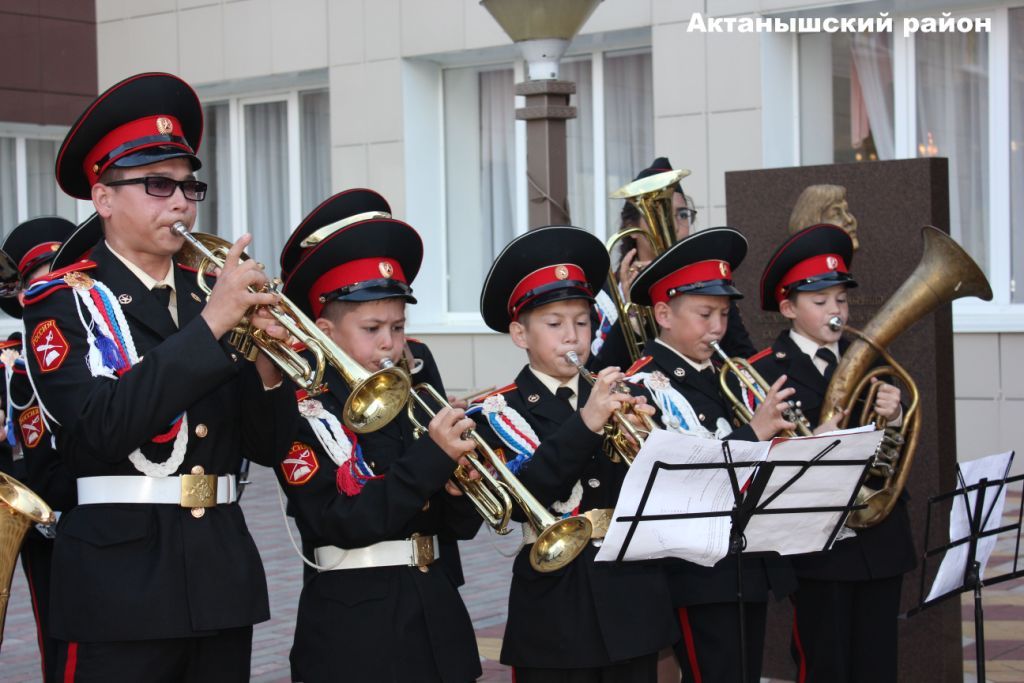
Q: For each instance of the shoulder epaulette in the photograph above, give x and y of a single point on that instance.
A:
(44, 286)
(759, 355)
(503, 390)
(640, 363)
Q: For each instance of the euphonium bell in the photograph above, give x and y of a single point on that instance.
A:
(558, 542)
(20, 508)
(652, 197)
(376, 397)
(622, 439)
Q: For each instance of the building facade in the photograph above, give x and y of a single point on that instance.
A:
(415, 99)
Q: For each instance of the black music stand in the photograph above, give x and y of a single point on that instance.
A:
(979, 521)
(747, 503)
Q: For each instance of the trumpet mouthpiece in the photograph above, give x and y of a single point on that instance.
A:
(573, 357)
(179, 227)
(835, 323)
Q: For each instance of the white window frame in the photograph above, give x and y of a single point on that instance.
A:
(423, 80)
(22, 132)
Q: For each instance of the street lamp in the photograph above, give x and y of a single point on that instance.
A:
(543, 29)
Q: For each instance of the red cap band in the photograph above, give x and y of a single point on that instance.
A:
(353, 272)
(702, 271)
(158, 130)
(33, 255)
(527, 288)
(810, 268)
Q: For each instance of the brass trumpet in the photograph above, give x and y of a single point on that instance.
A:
(758, 386)
(20, 508)
(622, 439)
(376, 397)
(652, 197)
(558, 542)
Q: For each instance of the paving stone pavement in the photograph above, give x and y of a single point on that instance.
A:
(487, 573)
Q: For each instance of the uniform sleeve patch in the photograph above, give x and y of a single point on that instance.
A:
(300, 465)
(32, 428)
(49, 345)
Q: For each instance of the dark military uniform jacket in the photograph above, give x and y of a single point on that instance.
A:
(692, 584)
(884, 550)
(148, 571)
(392, 623)
(587, 614)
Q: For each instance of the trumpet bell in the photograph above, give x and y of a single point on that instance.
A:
(560, 543)
(376, 400)
(20, 508)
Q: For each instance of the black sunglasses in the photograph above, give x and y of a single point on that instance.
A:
(159, 186)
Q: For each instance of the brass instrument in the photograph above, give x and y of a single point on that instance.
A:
(558, 542)
(20, 508)
(945, 272)
(622, 439)
(652, 197)
(758, 386)
(376, 397)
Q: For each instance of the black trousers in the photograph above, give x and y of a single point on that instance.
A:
(36, 553)
(637, 670)
(222, 657)
(846, 631)
(709, 651)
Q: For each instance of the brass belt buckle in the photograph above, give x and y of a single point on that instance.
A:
(422, 551)
(198, 491)
(601, 519)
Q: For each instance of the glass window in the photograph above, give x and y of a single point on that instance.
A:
(846, 98)
(266, 178)
(1017, 152)
(629, 124)
(952, 122)
(8, 185)
(479, 106)
(315, 134)
(215, 152)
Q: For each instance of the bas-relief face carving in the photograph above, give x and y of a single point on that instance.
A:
(838, 213)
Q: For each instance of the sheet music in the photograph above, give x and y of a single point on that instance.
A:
(703, 540)
(950, 576)
(815, 487)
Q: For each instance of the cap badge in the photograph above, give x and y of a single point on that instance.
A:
(164, 125)
(832, 262)
(723, 269)
(562, 273)
(385, 268)
(54, 247)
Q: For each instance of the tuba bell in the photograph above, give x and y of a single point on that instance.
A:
(376, 398)
(652, 197)
(944, 273)
(20, 508)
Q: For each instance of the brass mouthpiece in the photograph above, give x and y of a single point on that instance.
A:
(835, 323)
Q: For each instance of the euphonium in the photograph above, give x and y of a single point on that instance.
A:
(757, 385)
(945, 272)
(558, 542)
(19, 510)
(652, 197)
(376, 397)
(622, 439)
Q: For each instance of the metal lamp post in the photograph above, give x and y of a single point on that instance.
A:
(543, 29)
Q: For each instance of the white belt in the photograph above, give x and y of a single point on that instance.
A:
(419, 551)
(194, 491)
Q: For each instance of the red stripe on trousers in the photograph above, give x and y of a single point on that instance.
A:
(691, 652)
(802, 674)
(71, 664)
